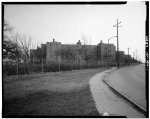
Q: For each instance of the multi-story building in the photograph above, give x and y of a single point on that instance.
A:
(128, 58)
(51, 48)
(121, 56)
(106, 51)
(82, 53)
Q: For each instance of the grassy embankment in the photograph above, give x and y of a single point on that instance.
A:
(49, 94)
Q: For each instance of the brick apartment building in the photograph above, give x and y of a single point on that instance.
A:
(100, 52)
(106, 51)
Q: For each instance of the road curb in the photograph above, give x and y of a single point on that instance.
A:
(140, 108)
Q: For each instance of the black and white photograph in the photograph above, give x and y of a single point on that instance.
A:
(75, 59)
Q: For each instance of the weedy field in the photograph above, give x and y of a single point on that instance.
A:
(49, 94)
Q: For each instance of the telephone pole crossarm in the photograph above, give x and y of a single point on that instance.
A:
(117, 24)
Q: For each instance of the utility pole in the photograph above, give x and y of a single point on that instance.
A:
(133, 57)
(136, 56)
(116, 25)
(128, 56)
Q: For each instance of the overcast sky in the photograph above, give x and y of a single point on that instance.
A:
(67, 23)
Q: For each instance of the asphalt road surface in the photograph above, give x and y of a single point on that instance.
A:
(131, 82)
(107, 101)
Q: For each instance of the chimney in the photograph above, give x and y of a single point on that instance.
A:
(79, 43)
(53, 40)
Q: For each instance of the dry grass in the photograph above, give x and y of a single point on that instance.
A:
(49, 94)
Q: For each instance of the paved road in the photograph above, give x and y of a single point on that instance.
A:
(131, 82)
(107, 101)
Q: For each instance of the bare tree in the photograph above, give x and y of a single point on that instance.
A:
(15, 39)
(25, 46)
(84, 47)
(11, 48)
(89, 54)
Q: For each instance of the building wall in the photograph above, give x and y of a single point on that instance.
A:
(121, 56)
(95, 52)
(51, 48)
(127, 57)
(112, 52)
(106, 51)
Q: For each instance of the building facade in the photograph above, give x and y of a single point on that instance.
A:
(51, 48)
(106, 51)
(53, 51)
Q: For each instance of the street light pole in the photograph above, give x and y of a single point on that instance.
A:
(108, 51)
